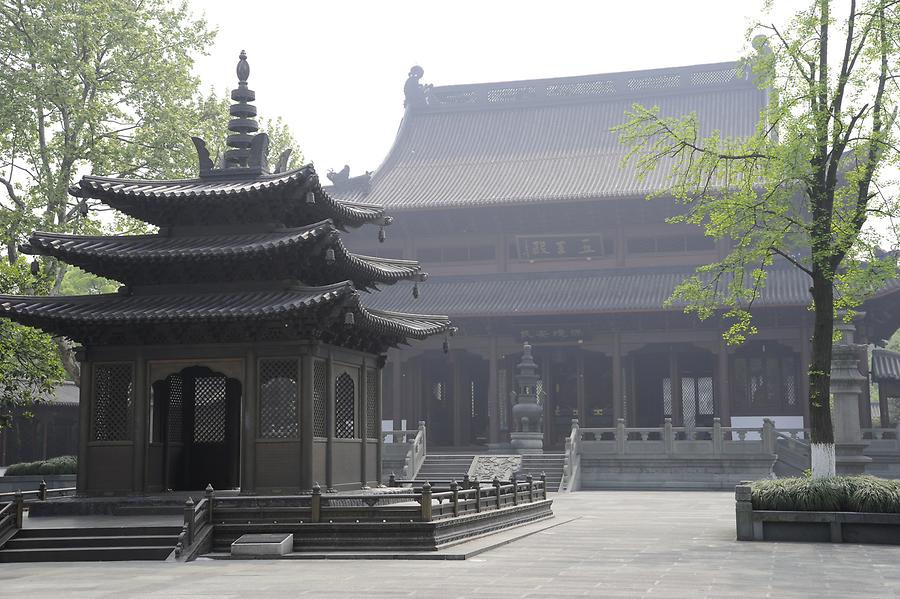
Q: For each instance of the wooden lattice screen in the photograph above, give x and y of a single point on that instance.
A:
(278, 405)
(113, 386)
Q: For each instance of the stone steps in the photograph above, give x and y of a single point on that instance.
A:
(444, 467)
(90, 544)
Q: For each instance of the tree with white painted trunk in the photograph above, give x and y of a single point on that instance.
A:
(810, 188)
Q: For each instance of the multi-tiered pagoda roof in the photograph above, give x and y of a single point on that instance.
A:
(242, 254)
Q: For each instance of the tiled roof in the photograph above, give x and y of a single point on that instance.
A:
(281, 196)
(64, 314)
(579, 292)
(164, 259)
(546, 140)
(885, 364)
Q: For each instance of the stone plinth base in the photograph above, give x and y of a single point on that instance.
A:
(849, 458)
(527, 442)
(263, 545)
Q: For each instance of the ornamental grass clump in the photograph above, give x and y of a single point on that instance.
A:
(830, 494)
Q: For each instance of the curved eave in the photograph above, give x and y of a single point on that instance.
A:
(155, 201)
(158, 259)
(402, 324)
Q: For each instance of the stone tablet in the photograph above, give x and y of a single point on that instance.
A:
(264, 545)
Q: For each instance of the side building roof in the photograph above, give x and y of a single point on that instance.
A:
(520, 142)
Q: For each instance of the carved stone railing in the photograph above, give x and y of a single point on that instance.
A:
(883, 439)
(671, 440)
(416, 451)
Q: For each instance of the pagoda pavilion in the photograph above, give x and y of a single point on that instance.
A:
(238, 351)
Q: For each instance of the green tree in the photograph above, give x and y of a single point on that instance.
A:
(804, 188)
(29, 366)
(100, 86)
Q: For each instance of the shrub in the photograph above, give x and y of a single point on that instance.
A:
(832, 494)
(65, 464)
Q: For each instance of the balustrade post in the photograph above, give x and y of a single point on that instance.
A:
(515, 486)
(20, 508)
(743, 512)
(768, 436)
(189, 522)
(897, 435)
(316, 504)
(42, 491)
(466, 484)
(530, 480)
(392, 480)
(422, 430)
(454, 488)
(620, 436)
(668, 436)
(477, 486)
(496, 483)
(426, 502)
(544, 484)
(210, 497)
(717, 438)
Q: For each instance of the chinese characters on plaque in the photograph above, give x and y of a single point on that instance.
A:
(550, 247)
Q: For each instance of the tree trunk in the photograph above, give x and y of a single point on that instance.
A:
(822, 431)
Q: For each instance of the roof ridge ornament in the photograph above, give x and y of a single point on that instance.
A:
(415, 94)
(245, 150)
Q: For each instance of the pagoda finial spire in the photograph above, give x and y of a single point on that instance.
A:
(242, 125)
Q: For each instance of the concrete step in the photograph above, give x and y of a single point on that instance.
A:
(85, 554)
(91, 541)
(114, 531)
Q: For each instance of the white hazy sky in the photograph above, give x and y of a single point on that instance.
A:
(334, 70)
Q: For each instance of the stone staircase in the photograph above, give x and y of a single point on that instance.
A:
(90, 544)
(444, 467)
(550, 464)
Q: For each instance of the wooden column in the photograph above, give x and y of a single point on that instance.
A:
(140, 414)
(307, 433)
(579, 388)
(364, 422)
(85, 425)
(248, 433)
(457, 400)
(549, 402)
(379, 447)
(722, 387)
(675, 378)
(618, 391)
(329, 422)
(493, 398)
(397, 391)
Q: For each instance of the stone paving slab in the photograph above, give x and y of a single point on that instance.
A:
(624, 544)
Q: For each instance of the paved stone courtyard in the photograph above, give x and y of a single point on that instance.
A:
(624, 544)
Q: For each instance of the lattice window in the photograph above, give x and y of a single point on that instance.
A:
(209, 409)
(705, 399)
(655, 82)
(344, 407)
(439, 390)
(113, 385)
(176, 408)
(278, 405)
(790, 390)
(320, 411)
(667, 396)
(689, 401)
(372, 403)
(600, 87)
(505, 95)
(713, 77)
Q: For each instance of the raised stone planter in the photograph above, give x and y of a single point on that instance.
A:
(822, 527)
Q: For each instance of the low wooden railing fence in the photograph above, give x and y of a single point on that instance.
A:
(13, 505)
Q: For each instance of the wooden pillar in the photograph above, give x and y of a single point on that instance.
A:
(364, 422)
(675, 378)
(457, 399)
(631, 416)
(307, 433)
(397, 391)
(139, 423)
(549, 403)
(248, 433)
(618, 391)
(379, 447)
(722, 386)
(493, 398)
(85, 424)
(579, 388)
(329, 422)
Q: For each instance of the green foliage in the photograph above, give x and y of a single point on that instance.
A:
(65, 464)
(829, 494)
(29, 365)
